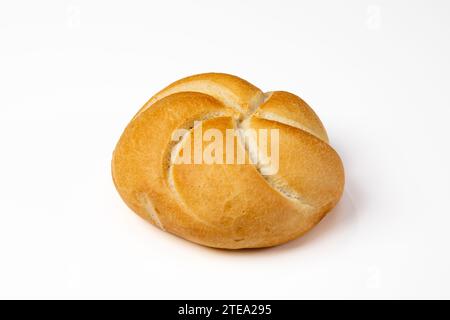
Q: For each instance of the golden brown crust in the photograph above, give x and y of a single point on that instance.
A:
(227, 205)
(287, 108)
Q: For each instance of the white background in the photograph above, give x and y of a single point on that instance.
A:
(73, 73)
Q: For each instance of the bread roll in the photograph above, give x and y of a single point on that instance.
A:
(228, 204)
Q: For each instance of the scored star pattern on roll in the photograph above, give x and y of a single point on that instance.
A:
(228, 205)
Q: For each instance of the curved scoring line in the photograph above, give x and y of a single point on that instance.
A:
(175, 147)
(227, 97)
(286, 121)
(252, 149)
(150, 209)
(276, 182)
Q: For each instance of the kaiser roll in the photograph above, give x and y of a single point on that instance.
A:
(161, 169)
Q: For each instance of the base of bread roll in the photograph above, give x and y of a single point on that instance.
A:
(236, 203)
